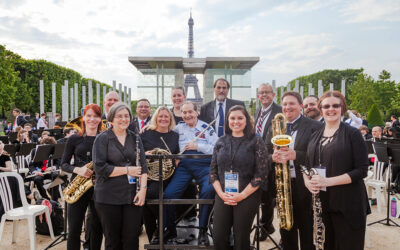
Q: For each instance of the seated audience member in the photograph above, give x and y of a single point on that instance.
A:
(365, 132)
(23, 137)
(67, 133)
(43, 170)
(8, 128)
(34, 137)
(44, 135)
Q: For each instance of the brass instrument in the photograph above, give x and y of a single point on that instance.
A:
(318, 224)
(282, 174)
(78, 187)
(168, 167)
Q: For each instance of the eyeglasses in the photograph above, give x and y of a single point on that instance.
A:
(119, 117)
(265, 92)
(335, 106)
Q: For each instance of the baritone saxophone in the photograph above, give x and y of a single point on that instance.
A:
(282, 174)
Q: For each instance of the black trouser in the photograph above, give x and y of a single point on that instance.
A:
(302, 222)
(240, 217)
(268, 202)
(340, 234)
(38, 180)
(76, 215)
(121, 225)
(150, 212)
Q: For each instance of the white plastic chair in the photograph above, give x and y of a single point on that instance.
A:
(379, 183)
(27, 211)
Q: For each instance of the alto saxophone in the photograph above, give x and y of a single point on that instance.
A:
(282, 174)
(78, 186)
(318, 224)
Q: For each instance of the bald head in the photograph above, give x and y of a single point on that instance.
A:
(109, 100)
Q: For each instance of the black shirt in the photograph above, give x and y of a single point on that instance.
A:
(177, 118)
(250, 161)
(108, 153)
(81, 148)
(3, 159)
(151, 140)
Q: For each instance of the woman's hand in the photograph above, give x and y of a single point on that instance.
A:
(319, 181)
(309, 186)
(140, 197)
(227, 199)
(146, 127)
(237, 197)
(83, 171)
(134, 171)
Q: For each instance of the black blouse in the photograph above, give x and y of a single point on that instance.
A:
(108, 153)
(3, 159)
(250, 161)
(81, 148)
(151, 140)
(177, 118)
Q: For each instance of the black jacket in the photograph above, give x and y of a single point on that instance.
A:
(134, 124)
(207, 110)
(275, 109)
(109, 153)
(305, 127)
(350, 156)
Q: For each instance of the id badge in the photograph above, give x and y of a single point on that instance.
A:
(231, 182)
(292, 171)
(131, 179)
(322, 172)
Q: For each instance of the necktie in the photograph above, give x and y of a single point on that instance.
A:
(289, 128)
(221, 120)
(142, 125)
(261, 120)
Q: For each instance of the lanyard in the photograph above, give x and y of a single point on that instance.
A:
(322, 141)
(234, 153)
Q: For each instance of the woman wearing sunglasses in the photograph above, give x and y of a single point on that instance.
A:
(339, 154)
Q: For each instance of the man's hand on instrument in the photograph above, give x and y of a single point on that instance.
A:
(288, 154)
(140, 197)
(277, 156)
(83, 171)
(191, 146)
(134, 171)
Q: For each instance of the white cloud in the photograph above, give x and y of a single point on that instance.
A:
(371, 10)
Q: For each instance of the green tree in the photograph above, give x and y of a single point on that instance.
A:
(374, 117)
(386, 92)
(8, 78)
(362, 93)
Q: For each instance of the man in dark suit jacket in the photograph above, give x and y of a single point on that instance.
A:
(219, 107)
(263, 119)
(19, 119)
(109, 100)
(300, 128)
(143, 117)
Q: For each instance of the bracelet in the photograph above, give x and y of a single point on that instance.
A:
(143, 187)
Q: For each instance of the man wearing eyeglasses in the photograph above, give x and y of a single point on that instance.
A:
(218, 108)
(263, 119)
(143, 117)
(310, 108)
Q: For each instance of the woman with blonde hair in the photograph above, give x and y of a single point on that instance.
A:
(160, 129)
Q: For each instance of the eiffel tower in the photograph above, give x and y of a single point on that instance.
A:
(191, 80)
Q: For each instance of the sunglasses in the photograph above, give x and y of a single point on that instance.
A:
(335, 106)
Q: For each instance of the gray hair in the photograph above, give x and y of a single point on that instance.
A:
(189, 102)
(117, 107)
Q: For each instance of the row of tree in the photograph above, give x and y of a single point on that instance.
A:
(19, 83)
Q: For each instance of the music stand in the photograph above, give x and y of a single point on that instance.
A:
(11, 149)
(385, 153)
(12, 137)
(26, 148)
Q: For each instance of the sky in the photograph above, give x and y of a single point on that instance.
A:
(292, 38)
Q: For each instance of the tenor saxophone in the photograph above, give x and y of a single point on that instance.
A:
(282, 174)
(318, 224)
(78, 187)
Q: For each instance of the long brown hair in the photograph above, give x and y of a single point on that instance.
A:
(96, 109)
(248, 129)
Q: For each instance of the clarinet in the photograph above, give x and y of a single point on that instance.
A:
(318, 224)
(137, 163)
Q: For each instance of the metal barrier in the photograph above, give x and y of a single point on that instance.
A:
(161, 201)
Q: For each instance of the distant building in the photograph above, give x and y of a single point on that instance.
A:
(158, 75)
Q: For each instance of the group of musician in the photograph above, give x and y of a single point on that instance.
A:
(240, 176)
